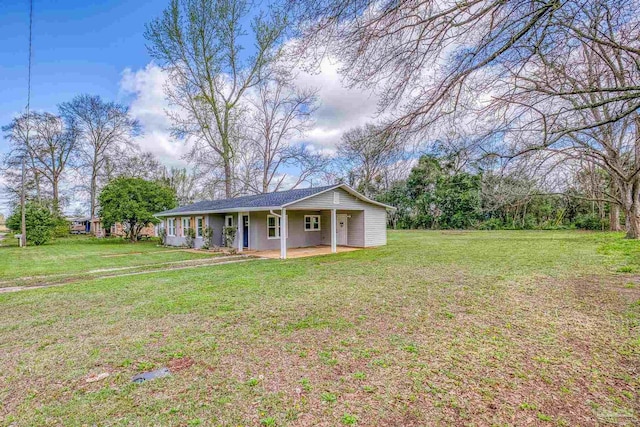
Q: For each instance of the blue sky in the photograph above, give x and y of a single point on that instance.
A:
(78, 46)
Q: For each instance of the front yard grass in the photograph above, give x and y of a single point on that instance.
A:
(437, 328)
(78, 254)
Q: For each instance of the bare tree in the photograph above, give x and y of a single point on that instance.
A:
(54, 146)
(425, 56)
(367, 152)
(198, 42)
(278, 114)
(104, 128)
(16, 135)
(144, 165)
(558, 108)
(183, 182)
(614, 208)
(49, 150)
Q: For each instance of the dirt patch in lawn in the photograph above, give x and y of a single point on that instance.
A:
(163, 251)
(177, 365)
(121, 255)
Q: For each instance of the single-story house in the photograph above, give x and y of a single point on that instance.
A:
(118, 230)
(87, 225)
(334, 215)
(79, 225)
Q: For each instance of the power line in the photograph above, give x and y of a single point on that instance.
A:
(30, 57)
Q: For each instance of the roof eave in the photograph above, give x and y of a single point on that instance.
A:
(217, 211)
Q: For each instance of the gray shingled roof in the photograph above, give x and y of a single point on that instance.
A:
(268, 200)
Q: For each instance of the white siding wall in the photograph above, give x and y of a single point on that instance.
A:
(375, 224)
(368, 222)
(356, 230)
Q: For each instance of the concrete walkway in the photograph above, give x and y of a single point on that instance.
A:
(302, 252)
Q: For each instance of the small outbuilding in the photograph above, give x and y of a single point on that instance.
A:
(333, 216)
(79, 225)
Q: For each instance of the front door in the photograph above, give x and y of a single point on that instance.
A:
(245, 231)
(341, 230)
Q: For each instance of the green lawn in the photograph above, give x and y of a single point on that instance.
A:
(80, 254)
(437, 328)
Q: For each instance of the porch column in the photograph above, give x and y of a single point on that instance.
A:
(283, 234)
(334, 248)
(240, 232)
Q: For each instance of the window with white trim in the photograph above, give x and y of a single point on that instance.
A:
(273, 227)
(185, 227)
(199, 226)
(171, 227)
(228, 221)
(312, 223)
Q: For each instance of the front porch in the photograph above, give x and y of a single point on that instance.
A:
(301, 252)
(298, 232)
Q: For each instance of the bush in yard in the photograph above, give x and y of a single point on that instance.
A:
(207, 242)
(491, 224)
(162, 234)
(39, 223)
(61, 227)
(591, 222)
(230, 236)
(190, 238)
(133, 203)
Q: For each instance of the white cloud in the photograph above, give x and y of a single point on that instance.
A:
(5, 206)
(149, 105)
(341, 108)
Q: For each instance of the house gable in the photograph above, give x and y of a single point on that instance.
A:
(328, 200)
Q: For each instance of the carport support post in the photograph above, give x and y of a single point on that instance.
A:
(240, 232)
(334, 248)
(283, 234)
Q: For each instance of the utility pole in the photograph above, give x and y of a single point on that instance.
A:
(23, 237)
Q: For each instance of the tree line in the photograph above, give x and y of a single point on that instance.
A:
(437, 195)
